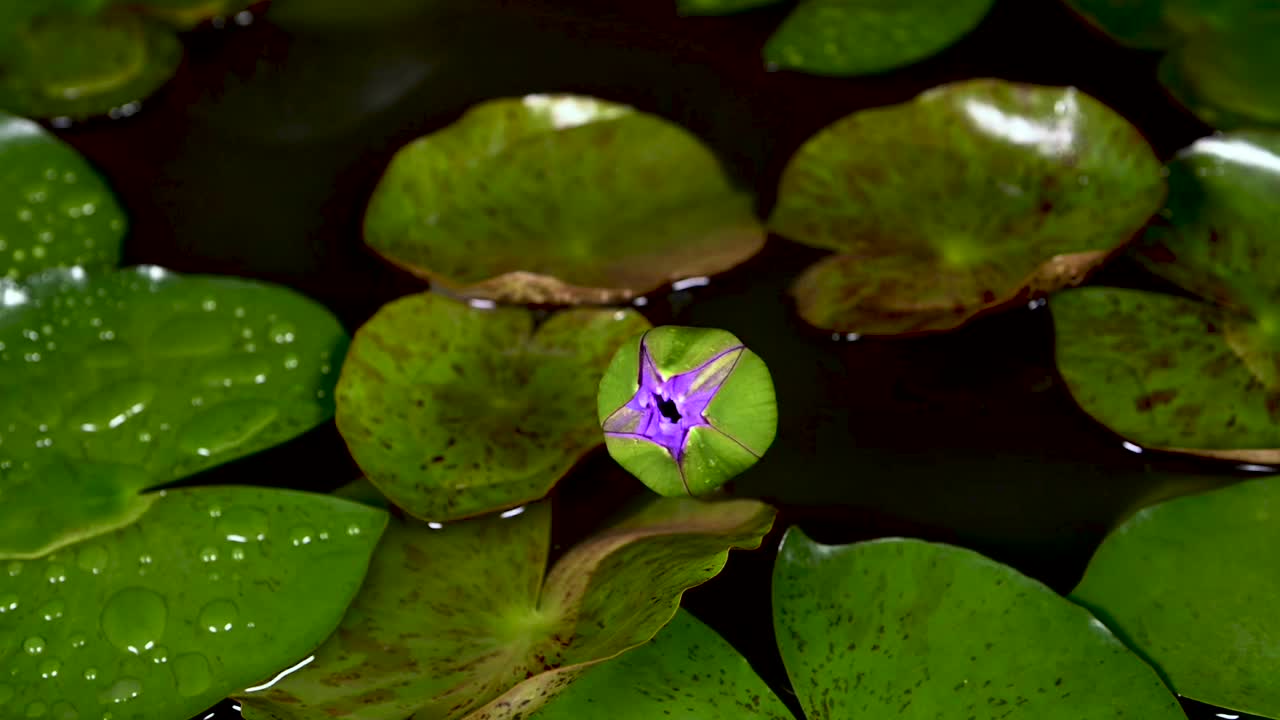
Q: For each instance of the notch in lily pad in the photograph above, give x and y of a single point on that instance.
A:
(687, 409)
(974, 197)
(559, 199)
(1193, 376)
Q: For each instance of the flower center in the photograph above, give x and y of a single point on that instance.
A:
(670, 413)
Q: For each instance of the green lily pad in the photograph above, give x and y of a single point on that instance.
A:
(973, 196)
(861, 37)
(720, 7)
(686, 668)
(60, 211)
(113, 383)
(1179, 374)
(1191, 584)
(71, 65)
(458, 621)
(559, 199)
(454, 411)
(905, 628)
(213, 590)
(1135, 23)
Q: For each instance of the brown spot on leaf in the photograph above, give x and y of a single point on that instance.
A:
(1155, 399)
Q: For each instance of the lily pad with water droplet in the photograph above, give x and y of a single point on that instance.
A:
(904, 628)
(1191, 584)
(860, 37)
(59, 211)
(212, 591)
(465, 621)
(559, 199)
(686, 666)
(78, 66)
(1181, 374)
(454, 411)
(116, 382)
(972, 197)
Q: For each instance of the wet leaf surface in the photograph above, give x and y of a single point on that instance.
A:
(859, 37)
(60, 211)
(458, 620)
(213, 590)
(454, 411)
(973, 196)
(920, 630)
(115, 382)
(1191, 585)
(559, 199)
(687, 671)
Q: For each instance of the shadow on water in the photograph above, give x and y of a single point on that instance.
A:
(258, 159)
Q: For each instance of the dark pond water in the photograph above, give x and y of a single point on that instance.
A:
(260, 156)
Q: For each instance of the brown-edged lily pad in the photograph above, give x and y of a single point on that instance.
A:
(465, 621)
(971, 197)
(559, 199)
(1182, 374)
(454, 411)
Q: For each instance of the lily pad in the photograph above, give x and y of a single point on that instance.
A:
(60, 211)
(213, 590)
(1191, 584)
(1174, 373)
(72, 65)
(687, 409)
(454, 411)
(918, 630)
(113, 383)
(559, 199)
(973, 196)
(687, 668)
(861, 37)
(458, 621)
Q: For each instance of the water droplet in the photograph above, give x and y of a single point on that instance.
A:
(353, 529)
(122, 691)
(37, 709)
(219, 616)
(8, 602)
(300, 536)
(292, 361)
(91, 674)
(134, 619)
(236, 370)
(52, 610)
(282, 333)
(208, 554)
(243, 524)
(14, 568)
(56, 574)
(63, 710)
(237, 553)
(226, 426)
(193, 674)
(34, 645)
(92, 558)
(160, 655)
(78, 641)
(49, 669)
(215, 511)
(112, 406)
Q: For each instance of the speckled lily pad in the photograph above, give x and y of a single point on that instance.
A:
(454, 411)
(71, 65)
(459, 621)
(559, 199)
(903, 628)
(1222, 54)
(214, 590)
(1191, 584)
(117, 382)
(860, 37)
(1174, 373)
(971, 197)
(59, 212)
(687, 667)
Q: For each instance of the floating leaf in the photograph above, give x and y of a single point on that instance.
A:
(458, 621)
(559, 199)
(79, 66)
(971, 197)
(686, 669)
(720, 7)
(454, 411)
(113, 383)
(1179, 374)
(687, 409)
(59, 212)
(1191, 584)
(861, 37)
(1136, 23)
(213, 590)
(913, 629)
